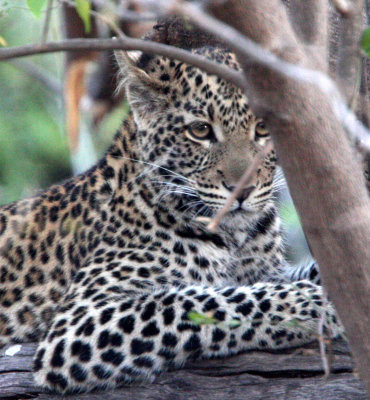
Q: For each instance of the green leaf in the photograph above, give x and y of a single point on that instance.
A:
(234, 323)
(365, 42)
(201, 319)
(36, 6)
(83, 8)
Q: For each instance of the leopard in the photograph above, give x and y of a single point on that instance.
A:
(115, 273)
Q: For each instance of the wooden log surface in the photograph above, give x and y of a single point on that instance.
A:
(294, 374)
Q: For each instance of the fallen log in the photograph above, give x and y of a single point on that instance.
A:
(295, 374)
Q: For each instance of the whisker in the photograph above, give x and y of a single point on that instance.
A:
(157, 166)
(279, 182)
(163, 183)
(164, 193)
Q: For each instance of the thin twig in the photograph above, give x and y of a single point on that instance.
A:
(356, 89)
(35, 71)
(47, 20)
(243, 182)
(213, 68)
(134, 16)
(321, 338)
(125, 14)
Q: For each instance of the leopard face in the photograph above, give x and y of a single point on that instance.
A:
(200, 131)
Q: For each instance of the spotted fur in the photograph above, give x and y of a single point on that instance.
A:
(104, 269)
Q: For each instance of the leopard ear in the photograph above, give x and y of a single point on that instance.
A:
(143, 91)
(128, 65)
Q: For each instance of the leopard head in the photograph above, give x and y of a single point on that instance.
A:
(198, 130)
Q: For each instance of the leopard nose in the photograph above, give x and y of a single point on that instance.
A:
(243, 194)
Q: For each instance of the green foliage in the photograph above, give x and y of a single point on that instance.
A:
(234, 323)
(33, 150)
(36, 6)
(365, 42)
(201, 319)
(33, 146)
(83, 8)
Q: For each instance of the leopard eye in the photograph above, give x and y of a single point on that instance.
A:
(260, 131)
(201, 131)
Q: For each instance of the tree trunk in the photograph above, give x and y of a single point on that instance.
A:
(323, 173)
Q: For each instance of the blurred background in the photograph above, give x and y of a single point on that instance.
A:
(58, 112)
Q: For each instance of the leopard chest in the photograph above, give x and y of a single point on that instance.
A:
(199, 262)
(182, 261)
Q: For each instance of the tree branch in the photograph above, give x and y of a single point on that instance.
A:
(45, 29)
(211, 67)
(134, 16)
(38, 73)
(254, 51)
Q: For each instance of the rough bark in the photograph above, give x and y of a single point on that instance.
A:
(323, 174)
(257, 374)
(310, 22)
